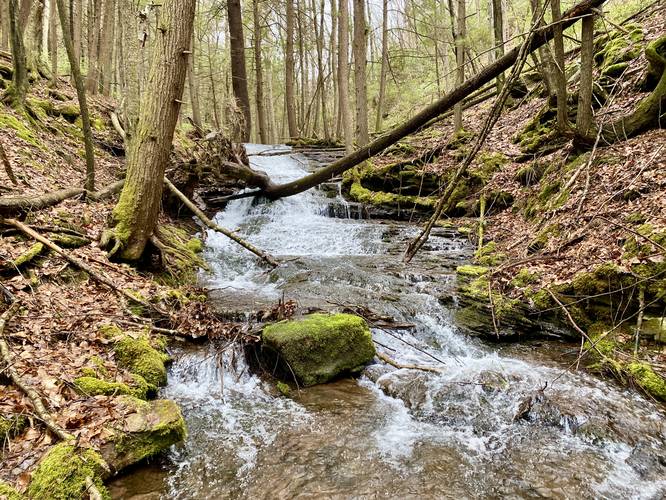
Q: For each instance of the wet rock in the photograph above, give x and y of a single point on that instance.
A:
(147, 429)
(319, 347)
(648, 461)
(408, 385)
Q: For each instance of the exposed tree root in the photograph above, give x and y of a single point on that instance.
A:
(8, 165)
(210, 224)
(16, 379)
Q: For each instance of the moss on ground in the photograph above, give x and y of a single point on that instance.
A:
(7, 492)
(140, 358)
(488, 255)
(644, 376)
(61, 474)
(11, 426)
(320, 347)
(93, 386)
(23, 131)
(29, 255)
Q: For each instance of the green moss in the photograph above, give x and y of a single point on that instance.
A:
(618, 48)
(320, 347)
(28, 255)
(68, 110)
(596, 282)
(9, 493)
(647, 379)
(615, 70)
(380, 198)
(635, 218)
(284, 389)
(541, 300)
(140, 358)
(471, 270)
(110, 331)
(488, 255)
(91, 386)
(61, 474)
(196, 245)
(542, 238)
(23, 132)
(11, 426)
(524, 278)
(69, 241)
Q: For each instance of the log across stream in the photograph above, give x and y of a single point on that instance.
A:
(394, 433)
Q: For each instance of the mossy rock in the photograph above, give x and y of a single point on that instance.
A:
(140, 358)
(618, 48)
(390, 200)
(524, 278)
(470, 270)
(320, 347)
(531, 174)
(488, 255)
(149, 428)
(93, 386)
(61, 474)
(615, 70)
(7, 492)
(644, 376)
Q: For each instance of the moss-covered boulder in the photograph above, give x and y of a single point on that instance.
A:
(93, 386)
(320, 347)
(147, 429)
(61, 474)
(140, 358)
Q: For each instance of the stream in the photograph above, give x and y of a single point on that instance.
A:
(393, 433)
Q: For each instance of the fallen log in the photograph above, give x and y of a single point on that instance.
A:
(419, 121)
(210, 224)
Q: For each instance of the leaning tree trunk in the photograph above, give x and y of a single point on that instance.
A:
(238, 72)
(421, 119)
(135, 216)
(81, 94)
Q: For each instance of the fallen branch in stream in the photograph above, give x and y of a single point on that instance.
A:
(16, 379)
(395, 364)
(78, 263)
(210, 224)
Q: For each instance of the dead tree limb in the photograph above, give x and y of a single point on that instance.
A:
(418, 121)
(210, 224)
(395, 364)
(8, 165)
(16, 379)
(78, 263)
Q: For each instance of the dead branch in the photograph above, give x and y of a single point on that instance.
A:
(92, 490)
(8, 166)
(210, 224)
(395, 364)
(78, 263)
(16, 379)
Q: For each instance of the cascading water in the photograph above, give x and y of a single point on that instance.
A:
(395, 433)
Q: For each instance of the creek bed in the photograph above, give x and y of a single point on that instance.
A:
(392, 433)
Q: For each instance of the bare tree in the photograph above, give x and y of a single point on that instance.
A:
(384, 68)
(584, 112)
(259, 94)
(498, 31)
(238, 72)
(558, 68)
(343, 73)
(18, 89)
(460, 59)
(290, 103)
(360, 84)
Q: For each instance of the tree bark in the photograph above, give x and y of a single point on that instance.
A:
(384, 67)
(584, 112)
(53, 41)
(484, 76)
(498, 30)
(17, 91)
(106, 46)
(76, 9)
(259, 94)
(290, 103)
(135, 215)
(460, 59)
(192, 83)
(94, 22)
(81, 94)
(238, 71)
(343, 74)
(321, 80)
(360, 84)
(558, 68)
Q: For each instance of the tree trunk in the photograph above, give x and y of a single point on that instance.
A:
(76, 10)
(194, 90)
(460, 60)
(16, 93)
(106, 46)
(94, 22)
(290, 102)
(53, 41)
(321, 81)
(584, 112)
(419, 120)
(558, 68)
(337, 125)
(259, 95)
(81, 94)
(360, 83)
(384, 67)
(498, 30)
(135, 215)
(546, 64)
(34, 42)
(238, 72)
(343, 73)
(4, 25)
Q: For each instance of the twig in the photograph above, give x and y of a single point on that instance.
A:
(394, 363)
(16, 379)
(92, 490)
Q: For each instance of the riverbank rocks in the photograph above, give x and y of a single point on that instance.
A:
(140, 358)
(147, 429)
(319, 347)
(61, 474)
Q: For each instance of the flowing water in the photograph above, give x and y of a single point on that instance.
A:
(392, 433)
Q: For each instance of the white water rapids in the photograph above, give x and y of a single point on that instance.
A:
(394, 433)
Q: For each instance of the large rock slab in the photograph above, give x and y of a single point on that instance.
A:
(319, 347)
